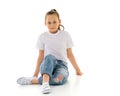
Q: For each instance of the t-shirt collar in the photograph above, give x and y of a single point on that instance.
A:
(54, 33)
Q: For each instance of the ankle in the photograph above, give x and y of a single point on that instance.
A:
(46, 78)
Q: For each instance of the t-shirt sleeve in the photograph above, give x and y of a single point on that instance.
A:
(40, 43)
(69, 41)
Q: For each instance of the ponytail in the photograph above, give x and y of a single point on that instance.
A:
(53, 11)
(59, 28)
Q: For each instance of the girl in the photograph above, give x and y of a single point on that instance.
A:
(55, 46)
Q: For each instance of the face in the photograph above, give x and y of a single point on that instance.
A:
(52, 22)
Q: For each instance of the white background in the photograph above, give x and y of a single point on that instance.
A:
(94, 26)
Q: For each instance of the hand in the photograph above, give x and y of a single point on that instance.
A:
(78, 72)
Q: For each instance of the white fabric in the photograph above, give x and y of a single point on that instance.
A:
(55, 44)
(45, 88)
(25, 80)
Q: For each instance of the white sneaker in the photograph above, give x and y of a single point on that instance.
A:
(25, 80)
(45, 88)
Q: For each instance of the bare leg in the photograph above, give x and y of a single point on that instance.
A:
(46, 78)
(34, 81)
(45, 84)
(59, 78)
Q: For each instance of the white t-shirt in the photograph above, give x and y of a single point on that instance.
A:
(55, 44)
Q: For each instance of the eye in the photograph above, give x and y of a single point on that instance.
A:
(49, 22)
(54, 22)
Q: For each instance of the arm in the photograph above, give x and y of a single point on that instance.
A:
(39, 61)
(73, 61)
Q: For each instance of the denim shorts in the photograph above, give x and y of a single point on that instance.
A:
(54, 68)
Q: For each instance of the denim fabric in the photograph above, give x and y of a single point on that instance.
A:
(54, 68)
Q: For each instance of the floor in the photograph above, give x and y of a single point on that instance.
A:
(100, 78)
(71, 88)
(86, 85)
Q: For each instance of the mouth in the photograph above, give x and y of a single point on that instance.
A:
(52, 28)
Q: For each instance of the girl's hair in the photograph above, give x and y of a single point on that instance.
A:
(53, 11)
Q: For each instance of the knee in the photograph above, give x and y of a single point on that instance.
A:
(60, 79)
